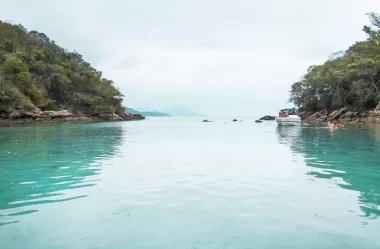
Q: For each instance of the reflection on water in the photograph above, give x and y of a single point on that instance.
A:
(40, 164)
(350, 156)
(177, 183)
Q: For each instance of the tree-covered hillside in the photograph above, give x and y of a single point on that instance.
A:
(349, 78)
(36, 72)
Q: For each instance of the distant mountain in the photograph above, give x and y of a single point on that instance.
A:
(145, 109)
(148, 113)
(181, 111)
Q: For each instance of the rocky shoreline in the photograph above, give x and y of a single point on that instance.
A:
(344, 115)
(42, 117)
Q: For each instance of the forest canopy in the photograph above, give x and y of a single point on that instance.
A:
(349, 78)
(36, 72)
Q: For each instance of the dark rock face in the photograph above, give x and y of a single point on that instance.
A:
(17, 114)
(343, 115)
(336, 114)
(268, 118)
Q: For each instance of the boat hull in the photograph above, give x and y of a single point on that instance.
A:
(291, 120)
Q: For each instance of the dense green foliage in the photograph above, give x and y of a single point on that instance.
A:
(349, 78)
(35, 72)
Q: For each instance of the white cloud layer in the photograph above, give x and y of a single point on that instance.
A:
(217, 57)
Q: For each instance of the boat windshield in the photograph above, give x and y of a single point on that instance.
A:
(288, 111)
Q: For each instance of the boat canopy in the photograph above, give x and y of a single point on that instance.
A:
(289, 110)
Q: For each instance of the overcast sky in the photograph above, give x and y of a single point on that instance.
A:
(217, 57)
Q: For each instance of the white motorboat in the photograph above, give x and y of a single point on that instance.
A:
(288, 117)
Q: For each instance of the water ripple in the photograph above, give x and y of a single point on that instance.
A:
(348, 157)
(60, 159)
(173, 183)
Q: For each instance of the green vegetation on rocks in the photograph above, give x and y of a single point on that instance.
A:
(349, 78)
(36, 73)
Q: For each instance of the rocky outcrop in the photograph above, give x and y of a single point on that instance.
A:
(38, 116)
(17, 114)
(133, 117)
(55, 114)
(268, 118)
(374, 117)
(258, 121)
(344, 115)
(206, 121)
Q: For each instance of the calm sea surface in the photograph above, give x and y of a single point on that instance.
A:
(179, 183)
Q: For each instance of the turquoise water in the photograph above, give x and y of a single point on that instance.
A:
(179, 183)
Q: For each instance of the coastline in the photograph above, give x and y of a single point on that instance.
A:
(344, 115)
(64, 116)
